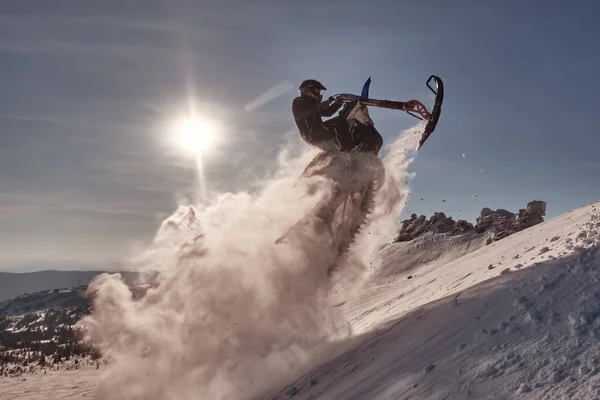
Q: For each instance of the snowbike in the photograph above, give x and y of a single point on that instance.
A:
(359, 172)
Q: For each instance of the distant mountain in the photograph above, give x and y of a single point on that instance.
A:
(37, 330)
(16, 284)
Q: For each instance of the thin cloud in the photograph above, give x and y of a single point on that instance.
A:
(48, 120)
(86, 49)
(154, 26)
(271, 94)
(25, 203)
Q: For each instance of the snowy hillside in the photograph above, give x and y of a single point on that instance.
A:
(16, 284)
(37, 331)
(518, 318)
(43, 301)
(229, 315)
(451, 318)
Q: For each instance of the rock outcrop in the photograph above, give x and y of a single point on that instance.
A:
(500, 223)
(438, 223)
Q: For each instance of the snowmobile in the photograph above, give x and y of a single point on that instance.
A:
(358, 173)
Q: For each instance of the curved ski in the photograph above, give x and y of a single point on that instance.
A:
(436, 110)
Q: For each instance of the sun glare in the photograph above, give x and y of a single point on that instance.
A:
(195, 134)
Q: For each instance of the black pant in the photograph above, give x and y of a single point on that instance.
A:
(368, 138)
(331, 134)
(335, 134)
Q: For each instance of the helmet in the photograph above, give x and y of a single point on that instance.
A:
(312, 88)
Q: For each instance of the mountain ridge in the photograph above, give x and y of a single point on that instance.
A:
(14, 284)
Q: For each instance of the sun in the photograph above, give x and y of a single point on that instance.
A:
(195, 134)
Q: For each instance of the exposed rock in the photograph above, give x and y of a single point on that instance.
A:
(292, 392)
(429, 368)
(462, 227)
(500, 223)
(532, 215)
(437, 223)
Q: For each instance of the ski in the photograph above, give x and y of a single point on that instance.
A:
(436, 110)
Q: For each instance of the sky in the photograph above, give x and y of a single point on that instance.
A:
(89, 89)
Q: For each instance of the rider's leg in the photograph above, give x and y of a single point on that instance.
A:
(321, 137)
(369, 137)
(325, 137)
(340, 130)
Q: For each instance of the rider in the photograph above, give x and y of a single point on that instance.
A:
(333, 134)
(308, 108)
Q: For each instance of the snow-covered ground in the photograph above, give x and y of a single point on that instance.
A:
(36, 333)
(74, 384)
(451, 318)
(230, 316)
(514, 319)
(42, 301)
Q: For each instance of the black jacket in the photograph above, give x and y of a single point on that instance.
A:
(308, 112)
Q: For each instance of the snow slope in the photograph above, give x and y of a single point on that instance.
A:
(17, 284)
(514, 319)
(43, 300)
(51, 385)
(230, 316)
(426, 249)
(517, 319)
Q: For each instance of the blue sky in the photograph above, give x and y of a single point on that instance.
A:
(87, 88)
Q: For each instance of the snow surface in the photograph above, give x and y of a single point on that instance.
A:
(41, 301)
(515, 319)
(468, 328)
(55, 385)
(436, 318)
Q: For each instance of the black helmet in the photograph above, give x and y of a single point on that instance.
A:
(312, 88)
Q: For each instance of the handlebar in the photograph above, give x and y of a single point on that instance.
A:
(349, 98)
(346, 97)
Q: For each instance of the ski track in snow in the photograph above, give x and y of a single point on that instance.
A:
(435, 318)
